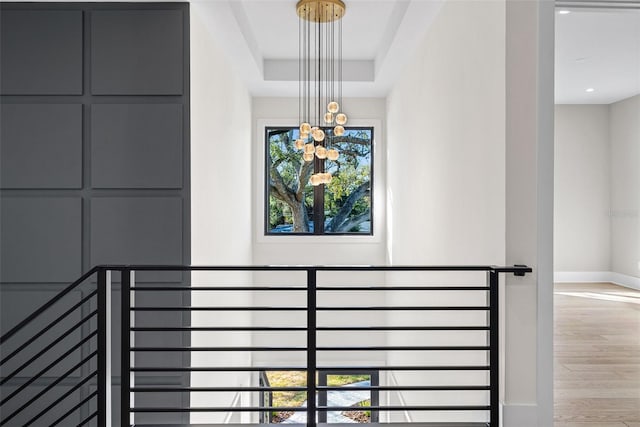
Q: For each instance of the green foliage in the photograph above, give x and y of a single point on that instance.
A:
(350, 171)
(338, 380)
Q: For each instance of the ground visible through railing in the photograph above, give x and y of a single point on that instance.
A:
(350, 397)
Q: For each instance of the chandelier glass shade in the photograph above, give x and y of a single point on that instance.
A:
(320, 82)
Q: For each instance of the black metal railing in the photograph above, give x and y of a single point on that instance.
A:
(306, 313)
(50, 340)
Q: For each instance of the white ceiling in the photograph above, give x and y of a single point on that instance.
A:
(595, 48)
(365, 27)
(260, 38)
(599, 49)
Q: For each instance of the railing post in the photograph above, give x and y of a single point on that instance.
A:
(311, 347)
(104, 348)
(125, 350)
(494, 348)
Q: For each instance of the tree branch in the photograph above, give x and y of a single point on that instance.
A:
(341, 217)
(303, 177)
(277, 184)
(348, 225)
(350, 139)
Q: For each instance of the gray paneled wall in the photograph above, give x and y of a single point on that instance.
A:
(94, 151)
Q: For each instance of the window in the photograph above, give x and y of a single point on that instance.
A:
(356, 388)
(343, 206)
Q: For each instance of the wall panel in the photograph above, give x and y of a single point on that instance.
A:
(137, 52)
(41, 52)
(136, 145)
(41, 146)
(94, 156)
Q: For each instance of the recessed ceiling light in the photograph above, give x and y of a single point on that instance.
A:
(564, 12)
(589, 89)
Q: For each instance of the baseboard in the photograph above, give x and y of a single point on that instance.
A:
(596, 277)
(519, 415)
(624, 280)
(581, 276)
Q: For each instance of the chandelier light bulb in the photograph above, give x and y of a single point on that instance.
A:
(333, 154)
(315, 179)
(333, 107)
(307, 157)
(305, 128)
(318, 135)
(321, 152)
(328, 117)
(341, 119)
(309, 148)
(299, 144)
(338, 130)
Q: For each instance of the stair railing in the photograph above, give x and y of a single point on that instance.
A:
(43, 347)
(94, 348)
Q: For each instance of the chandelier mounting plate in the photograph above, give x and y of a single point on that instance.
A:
(321, 10)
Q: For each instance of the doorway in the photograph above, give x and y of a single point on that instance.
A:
(596, 206)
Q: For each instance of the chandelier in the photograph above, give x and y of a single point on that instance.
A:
(320, 82)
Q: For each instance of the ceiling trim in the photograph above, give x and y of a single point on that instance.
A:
(397, 16)
(599, 4)
(240, 16)
(287, 70)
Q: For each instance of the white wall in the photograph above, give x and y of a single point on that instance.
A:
(221, 203)
(446, 142)
(316, 250)
(625, 186)
(582, 188)
(445, 196)
(446, 171)
(528, 300)
(597, 193)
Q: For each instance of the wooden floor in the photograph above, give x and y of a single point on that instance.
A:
(597, 356)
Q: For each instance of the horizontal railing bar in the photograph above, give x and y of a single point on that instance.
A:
(352, 308)
(403, 288)
(297, 288)
(46, 305)
(405, 408)
(406, 388)
(64, 396)
(498, 269)
(319, 408)
(211, 389)
(51, 365)
(347, 388)
(406, 348)
(49, 326)
(217, 288)
(87, 419)
(297, 328)
(47, 348)
(215, 328)
(302, 368)
(223, 409)
(405, 308)
(402, 328)
(218, 349)
(217, 368)
(405, 368)
(72, 410)
(190, 308)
